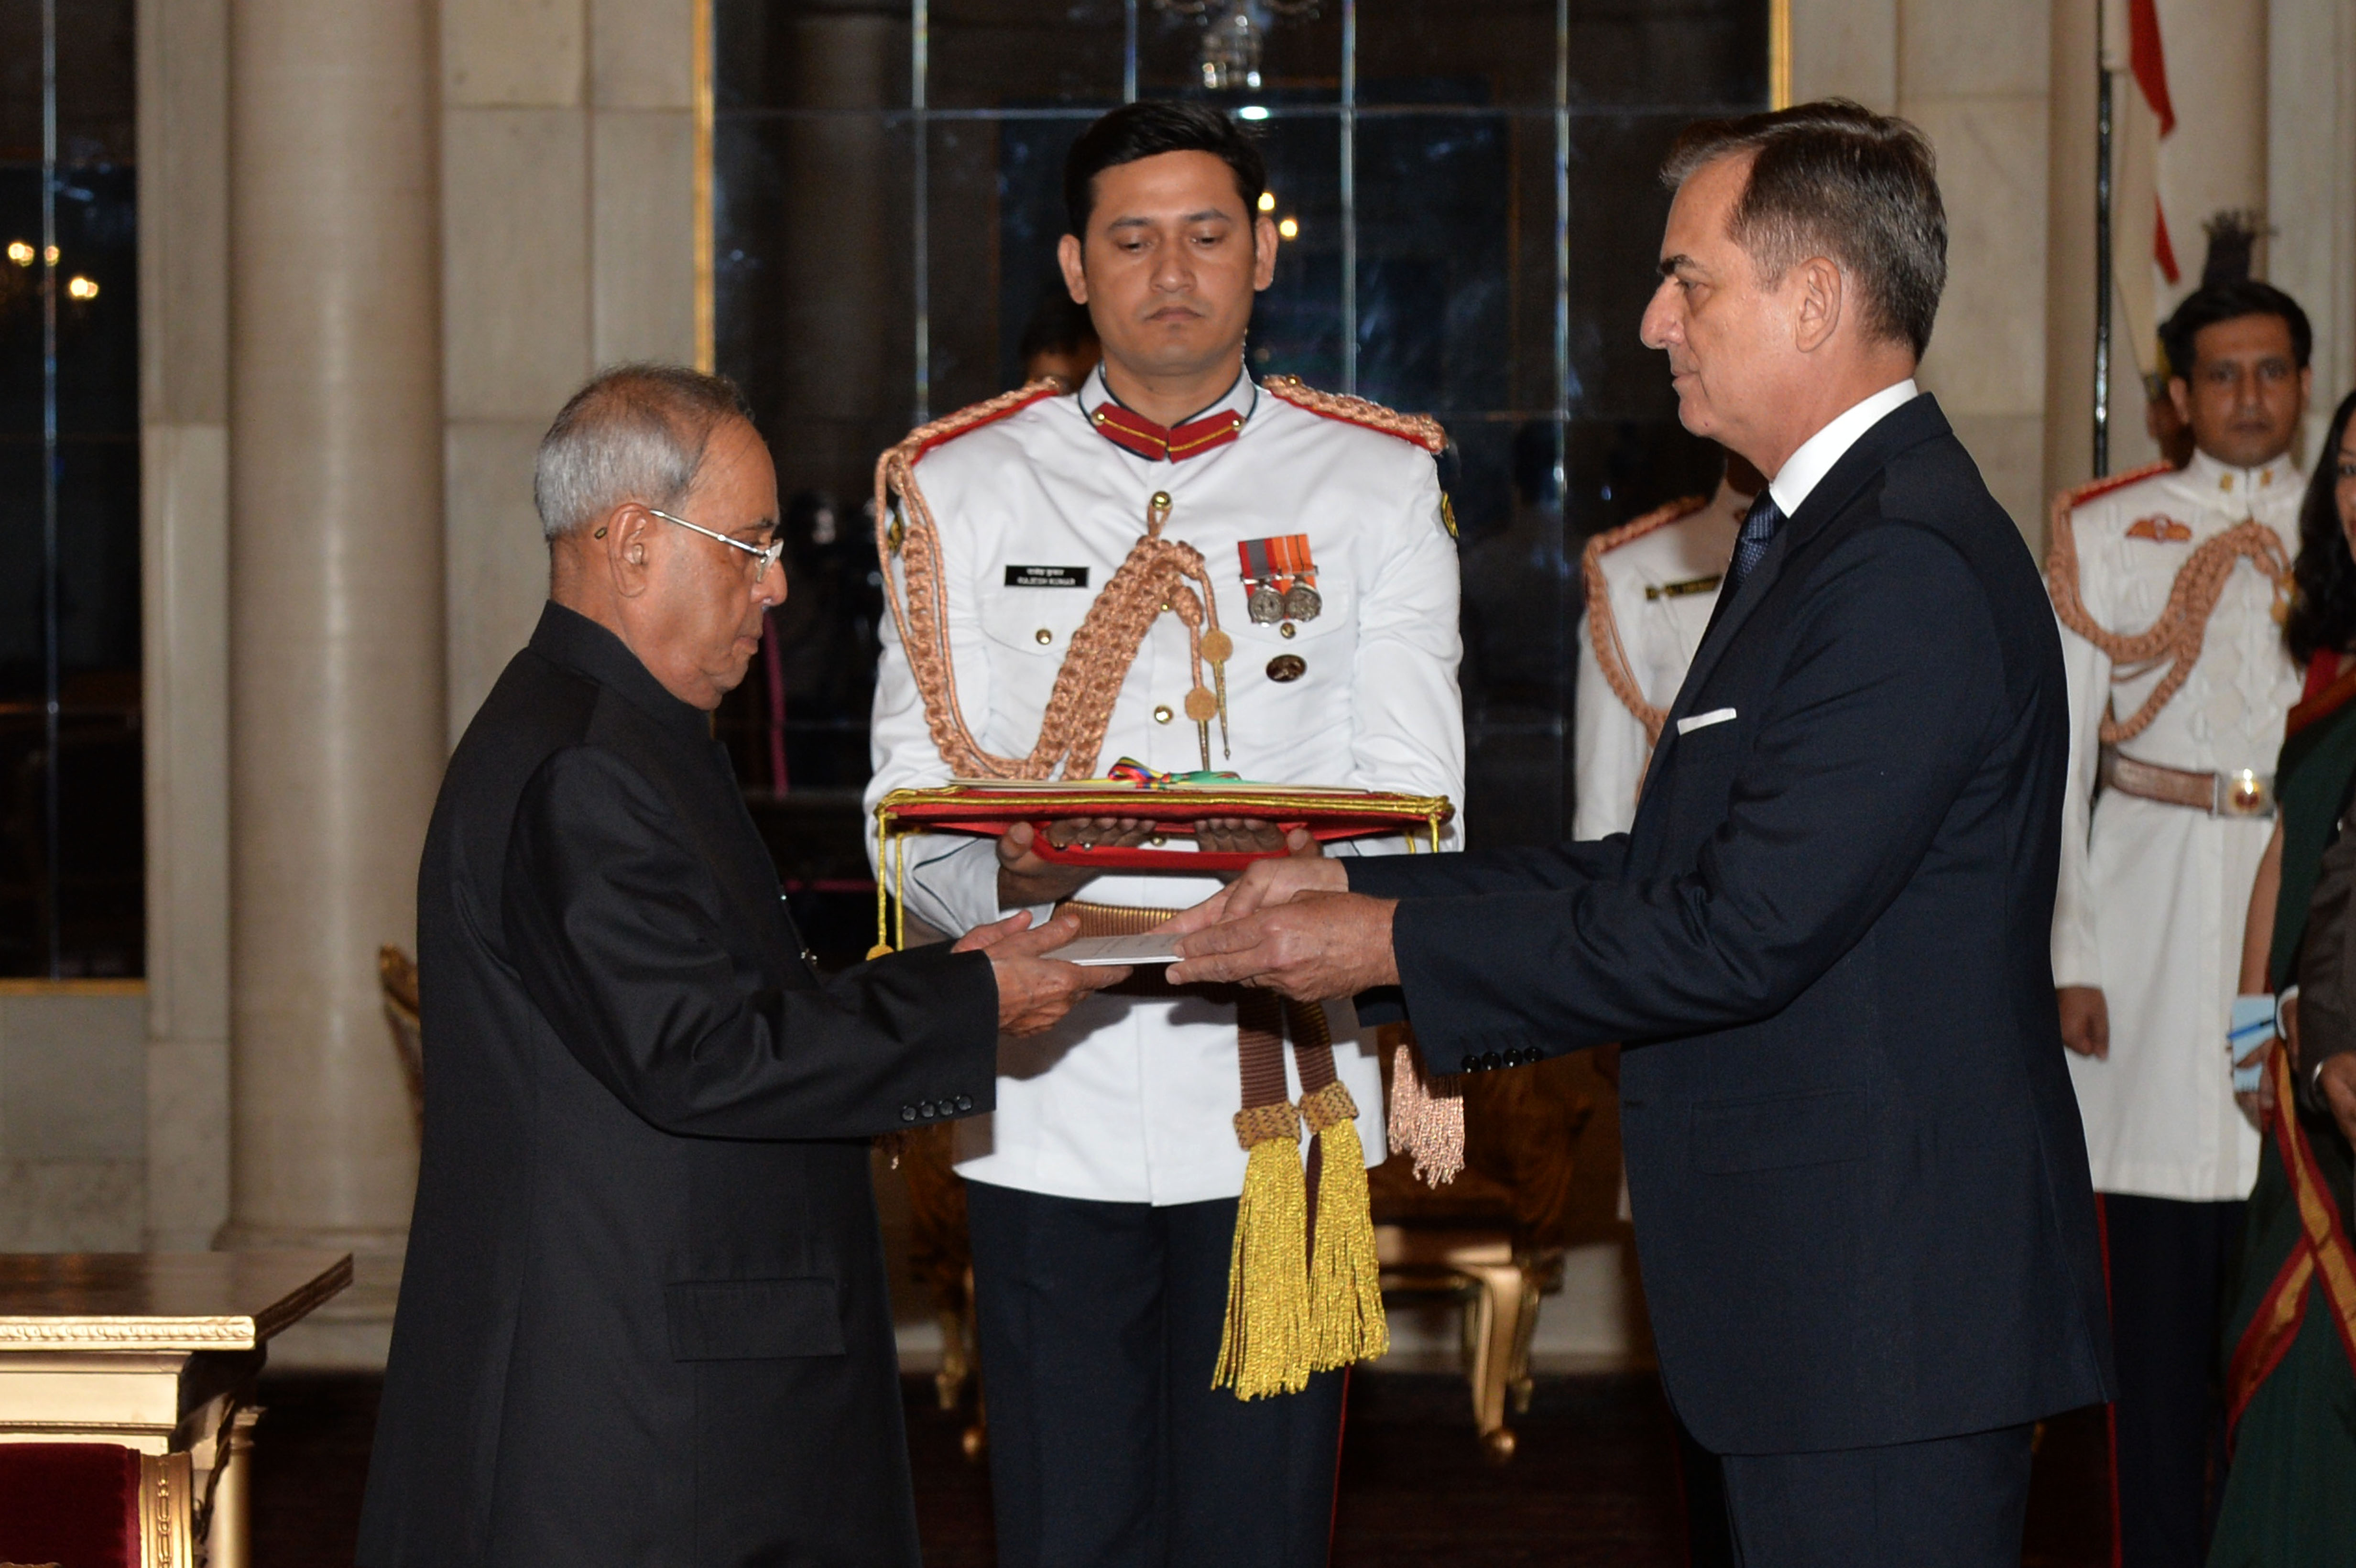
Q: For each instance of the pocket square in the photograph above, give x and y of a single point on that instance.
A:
(1704, 721)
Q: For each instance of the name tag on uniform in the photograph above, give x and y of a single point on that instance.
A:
(1704, 721)
(1046, 577)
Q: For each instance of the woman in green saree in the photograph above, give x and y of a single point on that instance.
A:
(2291, 1339)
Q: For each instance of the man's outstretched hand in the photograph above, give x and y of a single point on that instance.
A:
(1035, 992)
(1291, 926)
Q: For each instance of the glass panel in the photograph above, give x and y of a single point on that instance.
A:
(71, 872)
(1469, 51)
(1297, 327)
(1007, 54)
(802, 56)
(1299, 46)
(1626, 452)
(1703, 56)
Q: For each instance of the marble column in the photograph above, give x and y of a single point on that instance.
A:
(335, 604)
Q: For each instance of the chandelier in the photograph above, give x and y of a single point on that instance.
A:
(1232, 33)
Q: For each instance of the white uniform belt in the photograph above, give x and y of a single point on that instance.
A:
(2244, 793)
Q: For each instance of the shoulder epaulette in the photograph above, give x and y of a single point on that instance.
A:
(1659, 517)
(2103, 487)
(966, 420)
(1423, 430)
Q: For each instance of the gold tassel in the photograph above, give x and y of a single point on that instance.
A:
(1346, 1295)
(1265, 1348)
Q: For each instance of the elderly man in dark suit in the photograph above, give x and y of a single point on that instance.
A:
(1859, 1183)
(643, 1319)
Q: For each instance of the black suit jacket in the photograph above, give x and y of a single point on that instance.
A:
(1858, 1178)
(643, 1319)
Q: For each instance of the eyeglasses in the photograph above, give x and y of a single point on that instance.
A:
(766, 554)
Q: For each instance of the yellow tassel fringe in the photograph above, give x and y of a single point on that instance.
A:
(1265, 1348)
(1345, 1296)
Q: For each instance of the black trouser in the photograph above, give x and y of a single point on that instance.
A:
(1099, 1327)
(2166, 1262)
(1953, 1502)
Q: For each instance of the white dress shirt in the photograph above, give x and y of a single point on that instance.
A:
(1806, 468)
(1132, 1099)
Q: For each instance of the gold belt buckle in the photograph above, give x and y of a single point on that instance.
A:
(2244, 793)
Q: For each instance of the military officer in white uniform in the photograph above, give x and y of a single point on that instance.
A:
(2173, 744)
(1651, 587)
(1102, 1192)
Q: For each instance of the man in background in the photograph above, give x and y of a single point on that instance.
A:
(2170, 807)
(1651, 588)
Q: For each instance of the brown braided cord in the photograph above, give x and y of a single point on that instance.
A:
(1420, 428)
(2175, 635)
(1321, 1108)
(1603, 627)
(1156, 576)
(1262, 1124)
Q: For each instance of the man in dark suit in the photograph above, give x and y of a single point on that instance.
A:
(1859, 1183)
(643, 1319)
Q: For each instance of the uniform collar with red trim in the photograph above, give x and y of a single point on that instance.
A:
(1133, 432)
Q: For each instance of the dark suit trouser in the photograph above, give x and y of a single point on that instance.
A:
(2166, 1262)
(1953, 1502)
(1099, 1327)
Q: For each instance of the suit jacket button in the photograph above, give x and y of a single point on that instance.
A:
(965, 1102)
(925, 1107)
(1493, 1061)
(907, 1113)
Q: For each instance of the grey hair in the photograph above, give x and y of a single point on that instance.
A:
(1832, 178)
(635, 432)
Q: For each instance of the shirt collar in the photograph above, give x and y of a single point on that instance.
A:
(1805, 469)
(2231, 487)
(1213, 428)
(566, 637)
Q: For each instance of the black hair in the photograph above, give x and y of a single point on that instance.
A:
(2323, 598)
(1059, 326)
(1834, 179)
(2213, 303)
(1147, 129)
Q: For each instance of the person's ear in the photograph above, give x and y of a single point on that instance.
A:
(2179, 393)
(1819, 297)
(1263, 251)
(2306, 386)
(1070, 258)
(626, 539)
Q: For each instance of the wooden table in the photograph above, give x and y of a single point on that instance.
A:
(155, 1352)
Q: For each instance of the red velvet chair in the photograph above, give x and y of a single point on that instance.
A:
(94, 1505)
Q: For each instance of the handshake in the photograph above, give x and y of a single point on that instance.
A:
(1290, 925)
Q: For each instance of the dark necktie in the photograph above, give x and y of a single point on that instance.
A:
(1759, 525)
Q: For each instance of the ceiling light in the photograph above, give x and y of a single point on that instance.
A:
(1289, 228)
(22, 253)
(81, 288)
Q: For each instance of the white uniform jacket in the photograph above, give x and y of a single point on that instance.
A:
(1660, 584)
(1133, 1098)
(2153, 896)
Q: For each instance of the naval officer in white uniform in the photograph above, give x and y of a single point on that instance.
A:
(2169, 810)
(1651, 587)
(1103, 1188)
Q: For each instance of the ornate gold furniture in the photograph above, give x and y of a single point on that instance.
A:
(396, 975)
(155, 1352)
(94, 1505)
(1542, 1175)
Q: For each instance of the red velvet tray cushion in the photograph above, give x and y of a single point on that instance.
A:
(74, 1504)
(1346, 816)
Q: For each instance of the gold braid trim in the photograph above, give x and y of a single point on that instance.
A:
(1603, 627)
(2175, 635)
(1420, 428)
(1322, 1108)
(1157, 573)
(1257, 1124)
